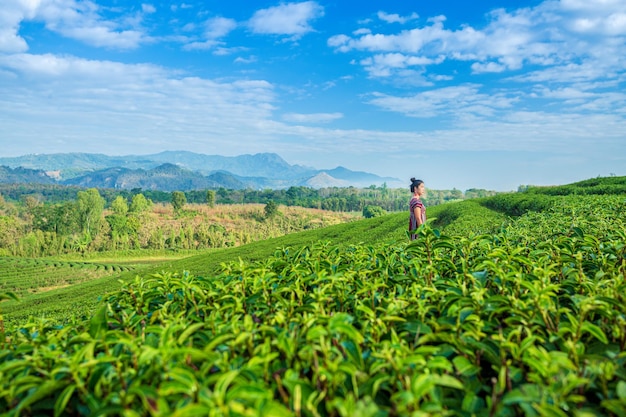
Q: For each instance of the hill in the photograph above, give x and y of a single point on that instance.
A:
(196, 171)
(469, 217)
(24, 175)
(390, 228)
(484, 314)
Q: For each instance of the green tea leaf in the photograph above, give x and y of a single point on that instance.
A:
(98, 322)
(63, 399)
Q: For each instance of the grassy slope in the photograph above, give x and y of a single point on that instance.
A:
(82, 298)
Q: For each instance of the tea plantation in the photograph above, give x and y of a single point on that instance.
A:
(493, 311)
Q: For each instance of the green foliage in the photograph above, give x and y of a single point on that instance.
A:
(59, 218)
(466, 218)
(210, 198)
(498, 313)
(178, 200)
(448, 325)
(119, 206)
(373, 211)
(139, 204)
(594, 186)
(270, 209)
(30, 275)
(89, 208)
(516, 204)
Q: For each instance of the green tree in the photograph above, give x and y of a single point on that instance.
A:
(90, 206)
(210, 198)
(58, 218)
(119, 206)
(178, 200)
(118, 224)
(271, 208)
(140, 203)
(373, 211)
(10, 233)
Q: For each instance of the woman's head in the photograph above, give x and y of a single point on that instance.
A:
(417, 185)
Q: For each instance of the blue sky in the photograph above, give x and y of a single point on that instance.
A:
(489, 94)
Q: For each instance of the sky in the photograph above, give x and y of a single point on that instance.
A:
(493, 94)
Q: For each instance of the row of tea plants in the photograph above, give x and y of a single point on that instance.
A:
(27, 275)
(527, 321)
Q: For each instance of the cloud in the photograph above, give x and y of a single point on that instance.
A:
(11, 15)
(481, 67)
(219, 27)
(215, 28)
(85, 105)
(250, 60)
(313, 118)
(457, 102)
(148, 8)
(381, 65)
(108, 105)
(83, 21)
(552, 34)
(292, 19)
(395, 18)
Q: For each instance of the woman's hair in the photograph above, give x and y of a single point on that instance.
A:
(415, 183)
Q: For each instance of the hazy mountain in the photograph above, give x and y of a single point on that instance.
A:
(323, 180)
(267, 165)
(166, 177)
(181, 170)
(70, 165)
(24, 175)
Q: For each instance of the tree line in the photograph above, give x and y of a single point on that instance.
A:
(345, 199)
(47, 220)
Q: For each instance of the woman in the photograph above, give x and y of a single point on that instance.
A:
(416, 207)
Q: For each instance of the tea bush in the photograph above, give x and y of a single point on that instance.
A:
(530, 320)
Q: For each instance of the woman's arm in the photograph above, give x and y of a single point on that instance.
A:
(417, 211)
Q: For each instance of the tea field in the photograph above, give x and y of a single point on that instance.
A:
(489, 313)
(81, 298)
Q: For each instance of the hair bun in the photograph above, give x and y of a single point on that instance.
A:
(413, 179)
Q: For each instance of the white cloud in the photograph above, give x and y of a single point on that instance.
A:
(80, 20)
(113, 103)
(219, 27)
(312, 117)
(544, 78)
(215, 28)
(11, 15)
(458, 102)
(148, 8)
(201, 45)
(581, 99)
(385, 64)
(250, 60)
(292, 19)
(480, 67)
(396, 18)
(550, 34)
(40, 69)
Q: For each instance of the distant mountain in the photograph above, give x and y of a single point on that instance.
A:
(323, 180)
(345, 174)
(166, 177)
(76, 164)
(267, 165)
(179, 170)
(24, 175)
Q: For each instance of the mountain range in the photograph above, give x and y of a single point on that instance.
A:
(179, 170)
